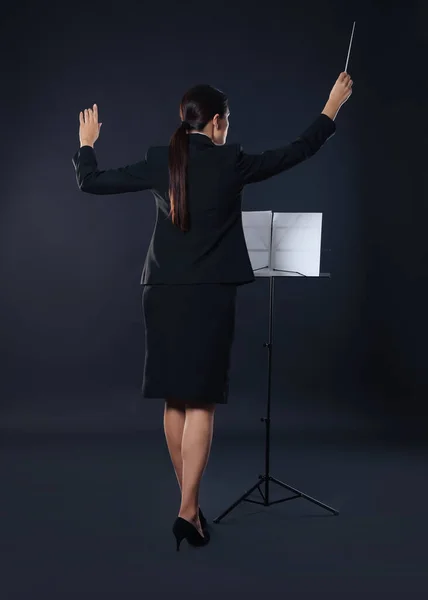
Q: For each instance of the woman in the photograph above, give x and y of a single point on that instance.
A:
(196, 259)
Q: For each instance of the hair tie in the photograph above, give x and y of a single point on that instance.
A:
(185, 124)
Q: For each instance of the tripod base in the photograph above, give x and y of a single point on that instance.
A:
(265, 496)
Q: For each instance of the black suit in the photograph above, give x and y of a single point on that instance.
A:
(214, 250)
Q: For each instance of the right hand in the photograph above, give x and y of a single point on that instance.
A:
(342, 89)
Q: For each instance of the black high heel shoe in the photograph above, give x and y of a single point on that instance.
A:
(183, 529)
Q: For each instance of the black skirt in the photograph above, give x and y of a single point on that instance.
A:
(189, 336)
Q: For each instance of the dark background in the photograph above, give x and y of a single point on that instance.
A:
(72, 333)
(88, 493)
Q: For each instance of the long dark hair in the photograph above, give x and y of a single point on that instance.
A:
(198, 106)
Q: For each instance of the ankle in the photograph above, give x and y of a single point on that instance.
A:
(189, 513)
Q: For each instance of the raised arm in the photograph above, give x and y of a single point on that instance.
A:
(131, 178)
(258, 167)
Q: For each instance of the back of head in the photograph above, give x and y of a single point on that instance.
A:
(198, 107)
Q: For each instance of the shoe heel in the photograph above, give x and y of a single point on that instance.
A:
(179, 534)
(178, 541)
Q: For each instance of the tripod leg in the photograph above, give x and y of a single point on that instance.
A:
(288, 487)
(235, 504)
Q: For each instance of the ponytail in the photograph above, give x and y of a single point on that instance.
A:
(178, 157)
(198, 106)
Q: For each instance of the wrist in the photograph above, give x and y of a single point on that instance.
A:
(331, 109)
(86, 143)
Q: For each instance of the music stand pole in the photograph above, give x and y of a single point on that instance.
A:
(266, 478)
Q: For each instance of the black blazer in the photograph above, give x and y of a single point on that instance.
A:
(214, 250)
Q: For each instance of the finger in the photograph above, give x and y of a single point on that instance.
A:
(81, 118)
(95, 107)
(86, 115)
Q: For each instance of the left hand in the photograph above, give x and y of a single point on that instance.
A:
(89, 127)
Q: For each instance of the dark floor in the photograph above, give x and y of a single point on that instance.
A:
(89, 516)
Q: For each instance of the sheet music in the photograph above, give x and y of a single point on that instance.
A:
(296, 243)
(283, 243)
(257, 231)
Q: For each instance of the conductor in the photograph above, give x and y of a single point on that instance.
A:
(196, 259)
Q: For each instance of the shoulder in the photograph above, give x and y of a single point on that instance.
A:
(229, 151)
(234, 148)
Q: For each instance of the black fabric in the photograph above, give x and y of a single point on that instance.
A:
(189, 335)
(214, 250)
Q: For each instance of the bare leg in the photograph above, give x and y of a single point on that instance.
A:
(173, 421)
(195, 450)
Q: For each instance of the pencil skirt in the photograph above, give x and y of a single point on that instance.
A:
(189, 331)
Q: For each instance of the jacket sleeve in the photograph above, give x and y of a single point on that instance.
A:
(257, 167)
(131, 178)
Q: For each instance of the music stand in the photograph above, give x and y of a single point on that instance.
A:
(280, 244)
